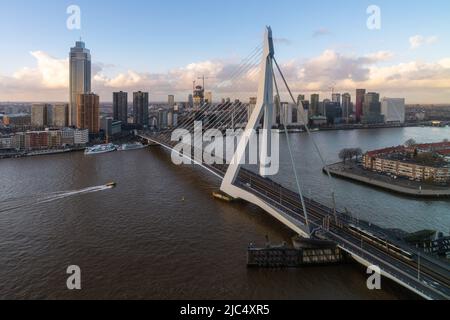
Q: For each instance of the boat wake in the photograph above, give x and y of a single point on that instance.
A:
(22, 202)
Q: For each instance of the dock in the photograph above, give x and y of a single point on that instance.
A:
(284, 256)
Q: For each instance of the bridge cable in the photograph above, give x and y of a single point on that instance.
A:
(292, 161)
(312, 139)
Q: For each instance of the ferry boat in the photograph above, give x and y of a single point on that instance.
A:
(102, 148)
(131, 146)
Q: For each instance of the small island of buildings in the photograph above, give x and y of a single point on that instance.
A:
(421, 170)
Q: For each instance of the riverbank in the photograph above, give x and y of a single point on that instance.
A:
(35, 153)
(352, 171)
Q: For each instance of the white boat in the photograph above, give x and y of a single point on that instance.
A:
(131, 146)
(102, 148)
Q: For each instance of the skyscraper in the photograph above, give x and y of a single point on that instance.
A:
(251, 106)
(39, 115)
(61, 115)
(347, 105)
(314, 105)
(120, 106)
(171, 100)
(88, 112)
(372, 109)
(360, 93)
(336, 98)
(80, 76)
(140, 108)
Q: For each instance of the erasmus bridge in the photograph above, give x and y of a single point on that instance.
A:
(368, 244)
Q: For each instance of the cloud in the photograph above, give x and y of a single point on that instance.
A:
(321, 32)
(418, 41)
(48, 80)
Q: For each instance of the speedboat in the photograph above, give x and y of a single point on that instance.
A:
(111, 184)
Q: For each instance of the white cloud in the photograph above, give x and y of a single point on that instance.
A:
(48, 80)
(418, 41)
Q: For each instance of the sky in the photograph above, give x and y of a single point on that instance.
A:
(163, 46)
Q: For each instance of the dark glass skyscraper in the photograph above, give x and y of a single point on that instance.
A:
(140, 108)
(120, 106)
(80, 76)
(360, 93)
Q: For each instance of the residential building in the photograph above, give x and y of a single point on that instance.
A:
(140, 108)
(39, 115)
(88, 112)
(61, 115)
(120, 106)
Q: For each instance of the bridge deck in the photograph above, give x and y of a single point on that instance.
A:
(396, 259)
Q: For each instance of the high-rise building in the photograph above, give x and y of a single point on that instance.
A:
(163, 119)
(276, 110)
(80, 76)
(208, 97)
(372, 109)
(333, 111)
(140, 108)
(286, 113)
(251, 106)
(336, 98)
(360, 93)
(171, 100)
(61, 115)
(39, 115)
(190, 101)
(88, 112)
(303, 110)
(347, 108)
(199, 96)
(314, 105)
(120, 107)
(393, 110)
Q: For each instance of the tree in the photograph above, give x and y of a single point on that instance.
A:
(410, 143)
(343, 155)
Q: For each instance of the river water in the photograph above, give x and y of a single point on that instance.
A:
(161, 235)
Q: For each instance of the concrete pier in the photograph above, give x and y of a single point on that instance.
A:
(401, 186)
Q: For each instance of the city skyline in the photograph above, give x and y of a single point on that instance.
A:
(410, 61)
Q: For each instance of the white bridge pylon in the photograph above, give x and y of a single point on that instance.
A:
(264, 106)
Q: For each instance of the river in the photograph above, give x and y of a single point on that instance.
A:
(160, 235)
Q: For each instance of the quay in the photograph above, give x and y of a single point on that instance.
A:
(351, 171)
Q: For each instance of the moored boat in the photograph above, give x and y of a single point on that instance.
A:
(131, 146)
(102, 148)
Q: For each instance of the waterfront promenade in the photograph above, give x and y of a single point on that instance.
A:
(352, 171)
